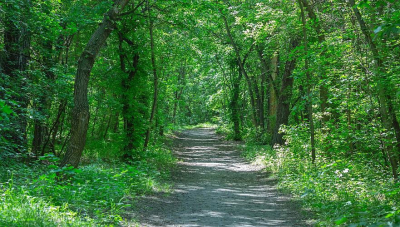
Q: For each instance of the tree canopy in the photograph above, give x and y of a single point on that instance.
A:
(315, 81)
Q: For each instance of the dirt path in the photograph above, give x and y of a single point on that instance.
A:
(214, 186)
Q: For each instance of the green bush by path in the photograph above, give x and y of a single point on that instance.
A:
(346, 192)
(95, 195)
(17, 208)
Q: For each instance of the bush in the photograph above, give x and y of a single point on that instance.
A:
(18, 208)
(96, 194)
(340, 189)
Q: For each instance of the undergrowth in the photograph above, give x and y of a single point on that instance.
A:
(340, 190)
(97, 194)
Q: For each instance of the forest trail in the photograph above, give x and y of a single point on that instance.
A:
(214, 186)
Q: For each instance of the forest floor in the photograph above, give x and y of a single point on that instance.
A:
(214, 186)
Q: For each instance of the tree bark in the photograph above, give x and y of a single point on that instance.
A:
(323, 90)
(241, 66)
(234, 107)
(43, 104)
(388, 116)
(262, 99)
(115, 123)
(273, 97)
(107, 126)
(17, 41)
(80, 112)
(309, 81)
(283, 109)
(155, 77)
(271, 73)
(259, 103)
(178, 94)
(126, 84)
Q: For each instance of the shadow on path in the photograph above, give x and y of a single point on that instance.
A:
(215, 187)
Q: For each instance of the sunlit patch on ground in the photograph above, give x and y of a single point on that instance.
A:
(215, 187)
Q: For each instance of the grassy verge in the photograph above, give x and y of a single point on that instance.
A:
(97, 194)
(340, 192)
(17, 208)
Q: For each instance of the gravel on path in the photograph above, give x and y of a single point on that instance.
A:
(214, 186)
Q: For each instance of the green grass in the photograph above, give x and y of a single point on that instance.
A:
(98, 194)
(340, 192)
(17, 208)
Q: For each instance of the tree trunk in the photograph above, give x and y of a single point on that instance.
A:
(271, 72)
(17, 41)
(115, 123)
(155, 77)
(388, 115)
(323, 89)
(309, 85)
(234, 107)
(53, 131)
(44, 101)
(80, 112)
(39, 132)
(262, 100)
(258, 102)
(273, 97)
(107, 126)
(178, 94)
(283, 109)
(126, 84)
(241, 66)
(96, 115)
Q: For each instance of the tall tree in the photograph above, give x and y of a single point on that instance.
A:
(285, 95)
(80, 112)
(17, 42)
(323, 91)
(309, 83)
(155, 76)
(241, 61)
(387, 111)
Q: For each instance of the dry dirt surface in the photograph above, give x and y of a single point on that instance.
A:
(214, 186)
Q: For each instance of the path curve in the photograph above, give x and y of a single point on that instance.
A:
(214, 186)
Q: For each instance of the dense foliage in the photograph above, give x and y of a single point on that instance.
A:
(311, 85)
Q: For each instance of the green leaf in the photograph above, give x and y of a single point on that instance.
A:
(341, 221)
(78, 171)
(389, 215)
(7, 110)
(365, 4)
